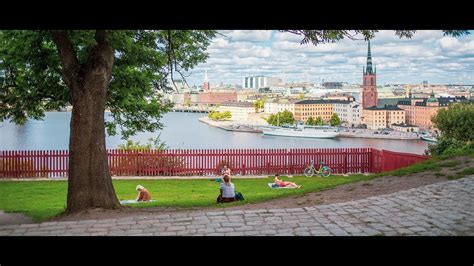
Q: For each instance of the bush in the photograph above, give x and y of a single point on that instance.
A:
(154, 143)
(281, 118)
(216, 115)
(138, 159)
(449, 146)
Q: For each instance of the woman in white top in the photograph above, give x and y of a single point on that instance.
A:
(227, 191)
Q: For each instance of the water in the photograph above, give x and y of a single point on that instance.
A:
(182, 130)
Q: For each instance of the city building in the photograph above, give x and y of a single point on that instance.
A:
(333, 85)
(288, 105)
(354, 115)
(349, 112)
(240, 110)
(369, 88)
(420, 111)
(315, 108)
(257, 82)
(271, 107)
(383, 117)
(279, 105)
(217, 97)
(244, 95)
(405, 128)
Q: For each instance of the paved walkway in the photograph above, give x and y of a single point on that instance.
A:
(438, 209)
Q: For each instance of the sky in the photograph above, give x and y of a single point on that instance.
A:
(428, 55)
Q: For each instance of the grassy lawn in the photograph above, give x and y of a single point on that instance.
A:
(45, 199)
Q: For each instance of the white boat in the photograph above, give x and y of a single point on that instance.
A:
(321, 132)
(429, 138)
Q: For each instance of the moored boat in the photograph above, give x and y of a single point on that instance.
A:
(322, 132)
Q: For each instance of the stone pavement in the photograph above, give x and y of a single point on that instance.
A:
(444, 209)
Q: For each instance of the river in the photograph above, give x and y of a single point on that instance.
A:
(182, 130)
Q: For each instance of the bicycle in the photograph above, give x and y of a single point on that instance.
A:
(322, 171)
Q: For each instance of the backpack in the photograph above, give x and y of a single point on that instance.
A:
(239, 196)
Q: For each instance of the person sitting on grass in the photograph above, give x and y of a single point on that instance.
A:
(143, 194)
(224, 171)
(282, 183)
(227, 192)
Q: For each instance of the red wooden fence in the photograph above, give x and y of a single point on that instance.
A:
(206, 162)
(383, 161)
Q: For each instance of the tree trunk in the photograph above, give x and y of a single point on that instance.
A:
(90, 183)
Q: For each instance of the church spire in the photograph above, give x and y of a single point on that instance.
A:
(369, 61)
(206, 79)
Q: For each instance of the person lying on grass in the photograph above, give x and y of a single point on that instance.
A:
(227, 192)
(143, 194)
(282, 183)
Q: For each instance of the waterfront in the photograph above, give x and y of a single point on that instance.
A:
(182, 130)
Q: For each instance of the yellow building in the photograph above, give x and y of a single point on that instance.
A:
(240, 110)
(315, 108)
(383, 117)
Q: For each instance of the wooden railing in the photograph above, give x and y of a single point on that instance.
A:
(208, 162)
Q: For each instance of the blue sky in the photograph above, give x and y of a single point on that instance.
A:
(427, 56)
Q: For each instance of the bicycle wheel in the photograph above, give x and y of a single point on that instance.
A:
(326, 172)
(308, 172)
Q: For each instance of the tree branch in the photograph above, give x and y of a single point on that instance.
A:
(68, 57)
(100, 36)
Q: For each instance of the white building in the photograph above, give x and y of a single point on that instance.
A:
(354, 115)
(240, 110)
(281, 105)
(289, 106)
(257, 82)
(271, 107)
(349, 112)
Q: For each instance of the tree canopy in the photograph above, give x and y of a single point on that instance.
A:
(144, 62)
(335, 120)
(317, 37)
(281, 118)
(456, 122)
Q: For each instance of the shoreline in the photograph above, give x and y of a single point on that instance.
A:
(229, 126)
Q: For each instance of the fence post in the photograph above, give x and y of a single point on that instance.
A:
(345, 161)
(17, 163)
(289, 159)
(243, 169)
(382, 161)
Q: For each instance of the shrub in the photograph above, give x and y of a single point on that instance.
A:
(137, 158)
(443, 145)
(216, 115)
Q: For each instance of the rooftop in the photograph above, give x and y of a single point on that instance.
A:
(237, 104)
(386, 107)
(322, 101)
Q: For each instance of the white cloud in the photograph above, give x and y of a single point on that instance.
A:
(428, 54)
(250, 35)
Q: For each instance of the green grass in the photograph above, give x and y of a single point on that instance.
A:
(428, 165)
(463, 173)
(45, 199)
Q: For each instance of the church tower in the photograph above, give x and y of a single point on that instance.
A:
(206, 82)
(369, 87)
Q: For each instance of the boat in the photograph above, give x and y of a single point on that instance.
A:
(429, 138)
(321, 132)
